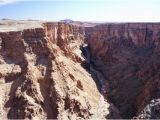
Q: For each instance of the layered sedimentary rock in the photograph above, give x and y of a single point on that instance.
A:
(128, 57)
(59, 70)
(42, 78)
(67, 37)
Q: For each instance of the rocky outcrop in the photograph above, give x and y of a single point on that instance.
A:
(68, 37)
(128, 56)
(64, 71)
(42, 78)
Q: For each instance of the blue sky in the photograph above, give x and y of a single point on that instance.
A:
(82, 10)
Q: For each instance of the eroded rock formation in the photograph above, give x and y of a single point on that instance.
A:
(64, 71)
(42, 78)
(128, 57)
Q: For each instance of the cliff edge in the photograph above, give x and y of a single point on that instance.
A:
(58, 70)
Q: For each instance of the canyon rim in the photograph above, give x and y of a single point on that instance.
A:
(79, 70)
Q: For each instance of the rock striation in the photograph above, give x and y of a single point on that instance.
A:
(42, 78)
(58, 70)
(128, 57)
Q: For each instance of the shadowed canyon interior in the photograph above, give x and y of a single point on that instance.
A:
(65, 71)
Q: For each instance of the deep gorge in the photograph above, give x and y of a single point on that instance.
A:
(65, 71)
(126, 54)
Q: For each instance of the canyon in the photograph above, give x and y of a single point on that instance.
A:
(58, 70)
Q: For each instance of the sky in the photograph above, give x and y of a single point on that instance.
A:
(82, 10)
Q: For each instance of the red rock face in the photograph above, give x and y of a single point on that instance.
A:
(63, 34)
(128, 57)
(41, 76)
(44, 74)
(29, 51)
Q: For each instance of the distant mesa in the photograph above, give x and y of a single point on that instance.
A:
(67, 21)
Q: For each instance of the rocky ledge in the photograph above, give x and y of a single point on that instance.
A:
(56, 70)
(41, 76)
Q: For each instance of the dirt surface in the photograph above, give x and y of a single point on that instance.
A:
(16, 25)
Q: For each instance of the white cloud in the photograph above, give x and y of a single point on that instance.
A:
(4, 2)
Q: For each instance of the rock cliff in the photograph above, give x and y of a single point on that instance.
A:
(42, 78)
(128, 57)
(56, 70)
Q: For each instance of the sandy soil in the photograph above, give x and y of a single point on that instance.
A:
(14, 25)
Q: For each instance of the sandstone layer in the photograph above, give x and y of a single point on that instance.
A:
(128, 57)
(42, 77)
(58, 70)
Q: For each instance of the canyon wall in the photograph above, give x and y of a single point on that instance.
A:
(68, 37)
(41, 76)
(128, 56)
(56, 70)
